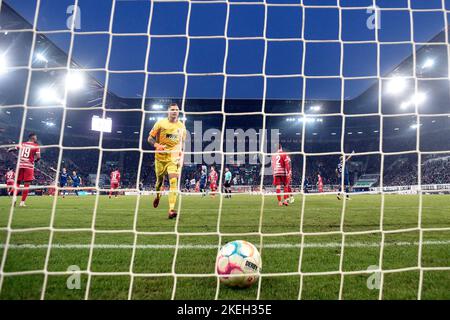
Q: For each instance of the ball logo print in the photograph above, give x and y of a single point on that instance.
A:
(241, 261)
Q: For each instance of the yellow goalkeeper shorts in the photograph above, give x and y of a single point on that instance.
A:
(166, 167)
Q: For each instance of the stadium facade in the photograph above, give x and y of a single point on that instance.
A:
(323, 133)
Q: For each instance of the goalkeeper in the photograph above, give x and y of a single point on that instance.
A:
(167, 137)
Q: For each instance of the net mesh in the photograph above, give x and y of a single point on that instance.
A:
(263, 236)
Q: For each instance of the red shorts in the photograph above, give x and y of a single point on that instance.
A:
(26, 175)
(115, 185)
(280, 181)
(10, 183)
(213, 187)
(320, 187)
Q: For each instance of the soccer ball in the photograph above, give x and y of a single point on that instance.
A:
(238, 257)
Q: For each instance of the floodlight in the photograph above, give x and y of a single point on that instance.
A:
(396, 85)
(419, 98)
(101, 125)
(429, 63)
(48, 94)
(3, 64)
(74, 81)
(41, 57)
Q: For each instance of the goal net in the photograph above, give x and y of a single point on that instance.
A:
(356, 93)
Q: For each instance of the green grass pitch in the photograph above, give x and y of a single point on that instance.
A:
(281, 247)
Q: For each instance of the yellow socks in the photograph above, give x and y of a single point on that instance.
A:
(159, 183)
(173, 193)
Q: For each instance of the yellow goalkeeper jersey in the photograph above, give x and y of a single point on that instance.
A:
(171, 135)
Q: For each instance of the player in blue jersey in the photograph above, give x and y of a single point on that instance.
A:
(306, 185)
(343, 177)
(63, 181)
(203, 181)
(76, 181)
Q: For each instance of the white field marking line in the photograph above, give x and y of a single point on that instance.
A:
(233, 209)
(207, 246)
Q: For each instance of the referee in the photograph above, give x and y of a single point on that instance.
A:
(227, 183)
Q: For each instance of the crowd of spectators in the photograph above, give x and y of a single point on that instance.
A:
(436, 171)
(401, 171)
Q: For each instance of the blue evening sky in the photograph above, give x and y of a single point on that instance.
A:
(245, 56)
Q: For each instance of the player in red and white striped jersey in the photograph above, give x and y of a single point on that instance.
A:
(29, 153)
(319, 182)
(213, 177)
(10, 177)
(282, 175)
(115, 181)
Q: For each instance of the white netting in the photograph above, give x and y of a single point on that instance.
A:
(304, 154)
